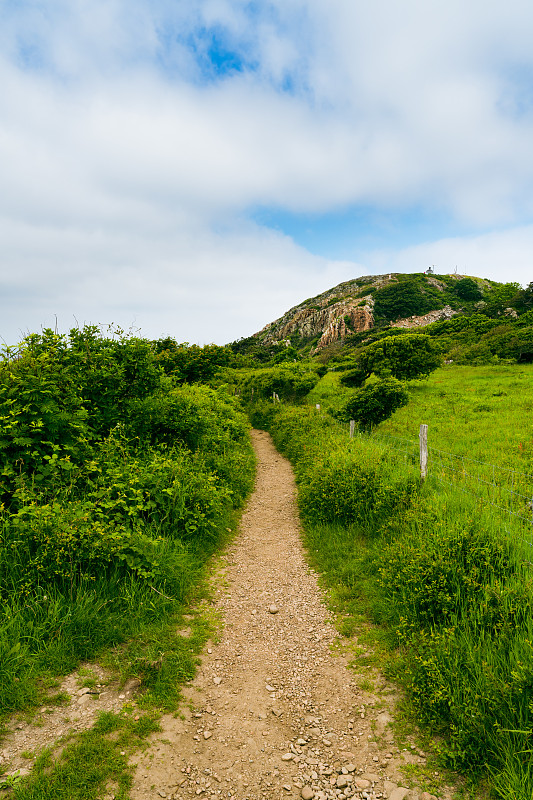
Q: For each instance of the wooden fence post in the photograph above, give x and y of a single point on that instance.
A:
(352, 428)
(423, 437)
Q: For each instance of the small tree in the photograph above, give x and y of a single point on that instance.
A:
(374, 403)
(405, 357)
(354, 377)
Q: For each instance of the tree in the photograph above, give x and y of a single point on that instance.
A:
(374, 403)
(354, 377)
(501, 297)
(403, 299)
(405, 357)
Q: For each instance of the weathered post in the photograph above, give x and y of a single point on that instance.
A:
(352, 428)
(423, 437)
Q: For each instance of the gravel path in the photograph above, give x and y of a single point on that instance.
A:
(274, 710)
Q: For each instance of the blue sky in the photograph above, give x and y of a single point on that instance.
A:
(195, 169)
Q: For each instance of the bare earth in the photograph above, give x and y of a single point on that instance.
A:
(274, 711)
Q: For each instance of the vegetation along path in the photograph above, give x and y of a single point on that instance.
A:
(274, 710)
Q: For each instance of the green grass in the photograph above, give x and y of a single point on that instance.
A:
(480, 434)
(82, 768)
(140, 641)
(441, 571)
(480, 412)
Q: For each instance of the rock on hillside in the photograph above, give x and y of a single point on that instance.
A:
(330, 316)
(349, 308)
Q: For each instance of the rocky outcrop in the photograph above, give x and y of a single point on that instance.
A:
(426, 319)
(330, 321)
(349, 308)
(359, 318)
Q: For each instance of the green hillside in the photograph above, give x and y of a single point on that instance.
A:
(474, 319)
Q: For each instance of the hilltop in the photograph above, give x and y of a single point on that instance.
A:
(347, 313)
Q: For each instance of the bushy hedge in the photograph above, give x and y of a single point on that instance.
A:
(374, 403)
(409, 295)
(290, 383)
(117, 483)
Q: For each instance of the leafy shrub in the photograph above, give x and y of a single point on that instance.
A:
(116, 486)
(374, 403)
(406, 298)
(354, 377)
(192, 416)
(467, 289)
(289, 383)
(191, 363)
(54, 543)
(427, 577)
(43, 423)
(349, 491)
(261, 414)
(405, 357)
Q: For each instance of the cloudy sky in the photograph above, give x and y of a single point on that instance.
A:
(193, 169)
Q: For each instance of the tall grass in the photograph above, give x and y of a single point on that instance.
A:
(480, 412)
(437, 569)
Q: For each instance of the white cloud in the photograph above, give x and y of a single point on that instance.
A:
(505, 256)
(197, 286)
(127, 169)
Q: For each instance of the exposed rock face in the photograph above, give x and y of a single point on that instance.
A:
(418, 322)
(361, 319)
(329, 316)
(330, 320)
(349, 308)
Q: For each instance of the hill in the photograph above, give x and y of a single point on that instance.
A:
(347, 313)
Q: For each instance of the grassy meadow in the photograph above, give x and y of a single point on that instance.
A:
(442, 567)
(483, 412)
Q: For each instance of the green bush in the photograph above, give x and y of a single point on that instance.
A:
(406, 357)
(116, 486)
(349, 491)
(291, 384)
(374, 403)
(427, 577)
(354, 377)
(467, 289)
(408, 297)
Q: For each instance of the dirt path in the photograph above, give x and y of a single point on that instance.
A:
(274, 712)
